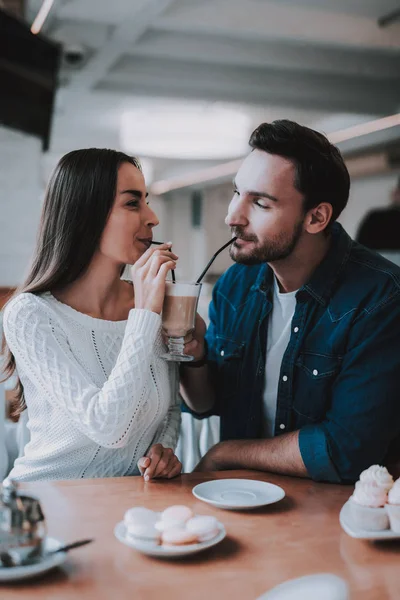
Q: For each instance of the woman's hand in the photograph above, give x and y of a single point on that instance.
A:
(159, 462)
(148, 277)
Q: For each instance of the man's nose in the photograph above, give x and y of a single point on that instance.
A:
(236, 215)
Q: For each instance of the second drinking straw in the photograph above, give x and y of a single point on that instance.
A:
(214, 257)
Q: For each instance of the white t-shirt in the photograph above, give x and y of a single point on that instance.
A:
(278, 337)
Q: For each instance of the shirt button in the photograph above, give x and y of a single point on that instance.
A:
(296, 329)
(284, 378)
(315, 372)
(222, 353)
(281, 426)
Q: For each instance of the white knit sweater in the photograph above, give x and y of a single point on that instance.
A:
(98, 393)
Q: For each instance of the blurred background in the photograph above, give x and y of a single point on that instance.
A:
(181, 84)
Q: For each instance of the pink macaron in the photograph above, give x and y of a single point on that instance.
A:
(176, 536)
(174, 517)
(204, 527)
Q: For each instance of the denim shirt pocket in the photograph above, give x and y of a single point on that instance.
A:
(230, 362)
(314, 377)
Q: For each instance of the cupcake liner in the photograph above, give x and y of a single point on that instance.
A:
(369, 519)
(393, 512)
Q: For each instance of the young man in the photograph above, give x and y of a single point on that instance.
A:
(302, 360)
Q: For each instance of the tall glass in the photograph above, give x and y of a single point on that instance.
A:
(178, 317)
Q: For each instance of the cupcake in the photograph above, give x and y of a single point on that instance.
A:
(367, 505)
(378, 475)
(393, 506)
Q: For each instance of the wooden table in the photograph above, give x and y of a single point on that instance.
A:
(297, 536)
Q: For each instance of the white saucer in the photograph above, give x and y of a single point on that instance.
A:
(351, 529)
(153, 549)
(324, 586)
(10, 574)
(238, 493)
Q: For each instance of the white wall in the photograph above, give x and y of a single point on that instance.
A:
(20, 202)
(366, 193)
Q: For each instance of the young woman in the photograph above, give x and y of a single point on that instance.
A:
(85, 344)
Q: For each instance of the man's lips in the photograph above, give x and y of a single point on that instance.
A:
(242, 241)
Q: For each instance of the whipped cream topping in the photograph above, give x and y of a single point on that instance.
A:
(394, 493)
(378, 475)
(368, 493)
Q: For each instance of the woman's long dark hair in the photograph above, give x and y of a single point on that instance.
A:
(76, 207)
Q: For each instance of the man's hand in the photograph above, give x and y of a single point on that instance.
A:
(194, 341)
(159, 462)
(209, 462)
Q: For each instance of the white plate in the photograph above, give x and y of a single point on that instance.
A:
(9, 574)
(238, 493)
(351, 529)
(153, 549)
(322, 586)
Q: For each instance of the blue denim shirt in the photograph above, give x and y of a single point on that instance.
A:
(340, 374)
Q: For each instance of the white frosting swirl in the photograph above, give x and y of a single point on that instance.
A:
(394, 493)
(368, 493)
(378, 475)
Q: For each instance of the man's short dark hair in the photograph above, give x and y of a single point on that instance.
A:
(320, 172)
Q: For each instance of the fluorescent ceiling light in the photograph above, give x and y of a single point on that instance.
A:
(41, 16)
(196, 131)
(230, 168)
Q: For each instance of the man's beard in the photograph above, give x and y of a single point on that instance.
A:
(270, 251)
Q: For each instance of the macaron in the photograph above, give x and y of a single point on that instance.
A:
(140, 523)
(140, 515)
(204, 527)
(174, 517)
(146, 532)
(177, 536)
(178, 512)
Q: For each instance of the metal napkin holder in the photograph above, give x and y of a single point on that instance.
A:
(22, 526)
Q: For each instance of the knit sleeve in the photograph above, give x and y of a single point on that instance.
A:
(168, 432)
(106, 415)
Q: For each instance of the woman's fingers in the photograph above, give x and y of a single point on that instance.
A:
(155, 453)
(163, 463)
(149, 252)
(156, 263)
(176, 470)
(143, 463)
(164, 269)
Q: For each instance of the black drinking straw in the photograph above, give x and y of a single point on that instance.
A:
(172, 271)
(214, 257)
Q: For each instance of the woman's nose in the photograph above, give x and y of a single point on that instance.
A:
(150, 219)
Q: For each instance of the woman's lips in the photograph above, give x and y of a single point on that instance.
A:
(146, 242)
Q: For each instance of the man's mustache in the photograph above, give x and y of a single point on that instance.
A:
(236, 231)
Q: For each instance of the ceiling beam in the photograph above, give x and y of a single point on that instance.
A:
(229, 50)
(255, 19)
(186, 79)
(143, 14)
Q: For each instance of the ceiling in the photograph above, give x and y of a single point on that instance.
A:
(326, 63)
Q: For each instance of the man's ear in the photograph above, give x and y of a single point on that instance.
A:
(318, 218)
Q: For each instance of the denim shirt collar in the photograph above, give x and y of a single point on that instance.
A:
(325, 276)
